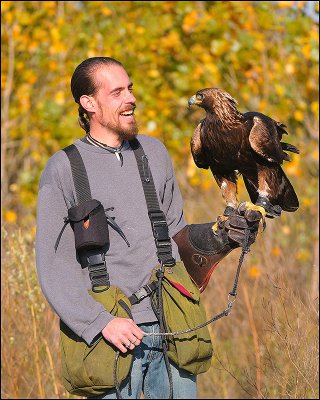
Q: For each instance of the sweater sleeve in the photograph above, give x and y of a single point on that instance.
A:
(63, 282)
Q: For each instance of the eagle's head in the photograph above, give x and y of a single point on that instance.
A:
(217, 102)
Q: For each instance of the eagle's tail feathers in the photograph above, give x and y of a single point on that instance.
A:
(289, 147)
(281, 128)
(288, 199)
(286, 156)
(285, 197)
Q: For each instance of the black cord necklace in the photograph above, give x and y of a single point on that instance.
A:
(114, 150)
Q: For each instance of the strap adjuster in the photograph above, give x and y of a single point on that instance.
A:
(97, 267)
(95, 258)
(160, 230)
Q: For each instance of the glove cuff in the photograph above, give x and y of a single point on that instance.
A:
(201, 250)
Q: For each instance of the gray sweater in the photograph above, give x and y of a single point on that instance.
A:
(64, 283)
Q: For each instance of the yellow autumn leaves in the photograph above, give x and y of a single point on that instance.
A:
(171, 50)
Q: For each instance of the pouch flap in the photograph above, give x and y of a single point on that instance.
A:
(81, 211)
(110, 300)
(181, 288)
(179, 278)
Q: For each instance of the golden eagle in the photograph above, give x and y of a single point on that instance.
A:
(230, 143)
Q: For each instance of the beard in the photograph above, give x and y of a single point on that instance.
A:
(124, 132)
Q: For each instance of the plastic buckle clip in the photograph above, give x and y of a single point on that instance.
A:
(143, 292)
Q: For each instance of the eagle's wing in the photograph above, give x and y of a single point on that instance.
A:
(197, 150)
(264, 140)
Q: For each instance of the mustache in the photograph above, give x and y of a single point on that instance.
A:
(132, 108)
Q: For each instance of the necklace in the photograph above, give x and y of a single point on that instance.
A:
(114, 150)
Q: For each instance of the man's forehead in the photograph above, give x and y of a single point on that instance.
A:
(112, 76)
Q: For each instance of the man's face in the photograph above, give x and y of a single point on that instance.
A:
(115, 101)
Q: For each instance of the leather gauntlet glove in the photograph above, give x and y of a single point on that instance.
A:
(201, 248)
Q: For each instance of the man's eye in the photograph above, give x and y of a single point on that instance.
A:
(116, 93)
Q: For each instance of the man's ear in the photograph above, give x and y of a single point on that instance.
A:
(88, 103)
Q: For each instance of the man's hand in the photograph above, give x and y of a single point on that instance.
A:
(123, 333)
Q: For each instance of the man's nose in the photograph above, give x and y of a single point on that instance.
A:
(130, 98)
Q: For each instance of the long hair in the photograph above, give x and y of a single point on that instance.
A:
(83, 83)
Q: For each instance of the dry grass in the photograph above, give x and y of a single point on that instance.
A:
(30, 366)
(266, 348)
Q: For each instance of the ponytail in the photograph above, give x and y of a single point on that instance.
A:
(83, 119)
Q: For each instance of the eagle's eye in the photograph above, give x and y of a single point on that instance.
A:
(199, 96)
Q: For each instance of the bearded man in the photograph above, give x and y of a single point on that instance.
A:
(104, 93)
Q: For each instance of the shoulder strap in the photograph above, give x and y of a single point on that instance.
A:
(95, 258)
(80, 180)
(79, 174)
(157, 218)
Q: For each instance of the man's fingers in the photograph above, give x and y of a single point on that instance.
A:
(123, 333)
(137, 332)
(127, 344)
(135, 341)
(121, 347)
(236, 222)
(124, 344)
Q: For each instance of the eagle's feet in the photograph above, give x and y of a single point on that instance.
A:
(253, 212)
(235, 226)
(271, 210)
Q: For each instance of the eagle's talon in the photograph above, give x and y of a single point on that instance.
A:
(254, 207)
(215, 228)
(272, 211)
(247, 206)
(220, 219)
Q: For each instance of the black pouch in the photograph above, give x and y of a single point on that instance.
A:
(90, 225)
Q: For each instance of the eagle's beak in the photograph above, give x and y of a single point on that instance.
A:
(193, 101)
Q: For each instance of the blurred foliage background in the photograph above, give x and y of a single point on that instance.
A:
(266, 55)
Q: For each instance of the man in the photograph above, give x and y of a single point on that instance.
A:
(104, 93)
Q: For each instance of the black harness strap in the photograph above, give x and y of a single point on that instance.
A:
(157, 218)
(79, 174)
(95, 258)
